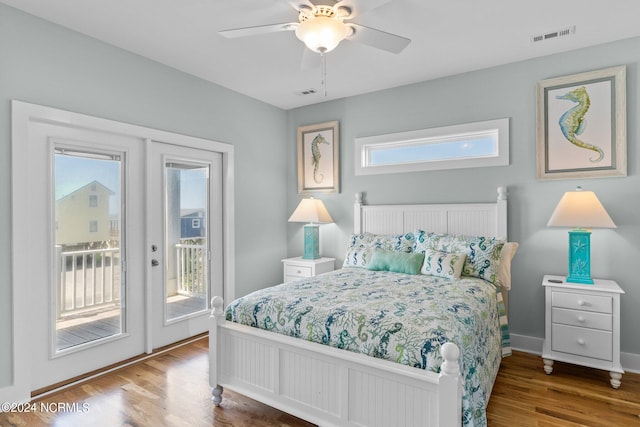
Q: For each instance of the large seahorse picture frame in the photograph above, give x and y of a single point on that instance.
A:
(582, 125)
(319, 158)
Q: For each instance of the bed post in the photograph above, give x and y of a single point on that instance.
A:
(501, 217)
(450, 387)
(357, 214)
(217, 316)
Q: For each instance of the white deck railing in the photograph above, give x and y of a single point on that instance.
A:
(191, 261)
(88, 279)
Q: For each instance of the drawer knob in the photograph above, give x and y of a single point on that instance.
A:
(299, 271)
(581, 341)
(581, 302)
(581, 319)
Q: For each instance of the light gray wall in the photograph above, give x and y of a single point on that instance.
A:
(45, 64)
(504, 91)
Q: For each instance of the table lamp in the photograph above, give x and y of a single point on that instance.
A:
(312, 211)
(582, 210)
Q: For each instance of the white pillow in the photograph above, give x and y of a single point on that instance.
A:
(443, 264)
(504, 269)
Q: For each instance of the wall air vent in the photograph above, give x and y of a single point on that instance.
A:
(307, 92)
(554, 34)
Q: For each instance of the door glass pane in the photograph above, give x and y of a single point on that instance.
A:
(186, 203)
(88, 213)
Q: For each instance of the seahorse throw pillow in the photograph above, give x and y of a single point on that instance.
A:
(483, 253)
(361, 246)
(443, 264)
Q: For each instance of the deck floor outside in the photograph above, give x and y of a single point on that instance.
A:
(102, 324)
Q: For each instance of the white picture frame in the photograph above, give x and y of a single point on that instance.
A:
(581, 127)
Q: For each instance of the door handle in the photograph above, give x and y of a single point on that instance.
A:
(154, 263)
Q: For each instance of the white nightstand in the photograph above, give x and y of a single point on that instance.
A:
(296, 268)
(582, 325)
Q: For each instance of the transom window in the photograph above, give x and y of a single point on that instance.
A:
(450, 147)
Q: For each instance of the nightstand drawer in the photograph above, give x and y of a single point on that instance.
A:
(582, 341)
(582, 325)
(298, 271)
(586, 319)
(575, 301)
(299, 268)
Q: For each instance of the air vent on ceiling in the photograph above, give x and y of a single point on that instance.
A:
(554, 34)
(307, 92)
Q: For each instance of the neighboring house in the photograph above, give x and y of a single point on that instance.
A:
(192, 223)
(83, 216)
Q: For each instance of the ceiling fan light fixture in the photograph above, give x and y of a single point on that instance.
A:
(322, 34)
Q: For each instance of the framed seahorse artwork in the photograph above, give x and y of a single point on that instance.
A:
(319, 158)
(582, 125)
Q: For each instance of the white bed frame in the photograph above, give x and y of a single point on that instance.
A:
(332, 387)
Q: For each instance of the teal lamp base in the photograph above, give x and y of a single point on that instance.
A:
(311, 242)
(580, 257)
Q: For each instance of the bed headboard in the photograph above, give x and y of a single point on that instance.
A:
(480, 219)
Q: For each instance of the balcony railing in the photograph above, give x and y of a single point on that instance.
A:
(88, 279)
(191, 262)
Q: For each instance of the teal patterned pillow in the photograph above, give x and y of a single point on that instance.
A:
(419, 238)
(361, 246)
(391, 242)
(443, 264)
(483, 253)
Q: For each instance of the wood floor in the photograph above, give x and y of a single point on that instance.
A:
(171, 390)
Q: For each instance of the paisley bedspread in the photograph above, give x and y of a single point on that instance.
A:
(393, 316)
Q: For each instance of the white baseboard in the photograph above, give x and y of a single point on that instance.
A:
(630, 361)
(526, 343)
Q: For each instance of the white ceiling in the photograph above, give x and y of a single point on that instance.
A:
(448, 37)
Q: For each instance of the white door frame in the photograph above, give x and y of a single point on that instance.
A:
(158, 153)
(22, 115)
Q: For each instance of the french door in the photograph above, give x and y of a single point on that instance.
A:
(185, 240)
(86, 253)
(124, 246)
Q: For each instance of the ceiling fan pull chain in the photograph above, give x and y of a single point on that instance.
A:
(323, 72)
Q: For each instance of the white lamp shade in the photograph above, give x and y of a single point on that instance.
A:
(580, 209)
(311, 210)
(322, 34)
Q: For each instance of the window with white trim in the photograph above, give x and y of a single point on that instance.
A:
(450, 147)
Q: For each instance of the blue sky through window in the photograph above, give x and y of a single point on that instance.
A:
(74, 172)
(480, 147)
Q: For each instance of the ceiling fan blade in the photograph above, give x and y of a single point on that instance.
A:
(361, 7)
(300, 4)
(378, 39)
(257, 30)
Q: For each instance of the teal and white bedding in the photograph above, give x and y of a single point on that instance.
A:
(398, 317)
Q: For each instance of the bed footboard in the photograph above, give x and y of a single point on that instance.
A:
(328, 386)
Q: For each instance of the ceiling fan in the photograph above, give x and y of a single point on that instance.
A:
(321, 26)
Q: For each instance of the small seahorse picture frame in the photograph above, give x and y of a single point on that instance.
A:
(582, 125)
(319, 158)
